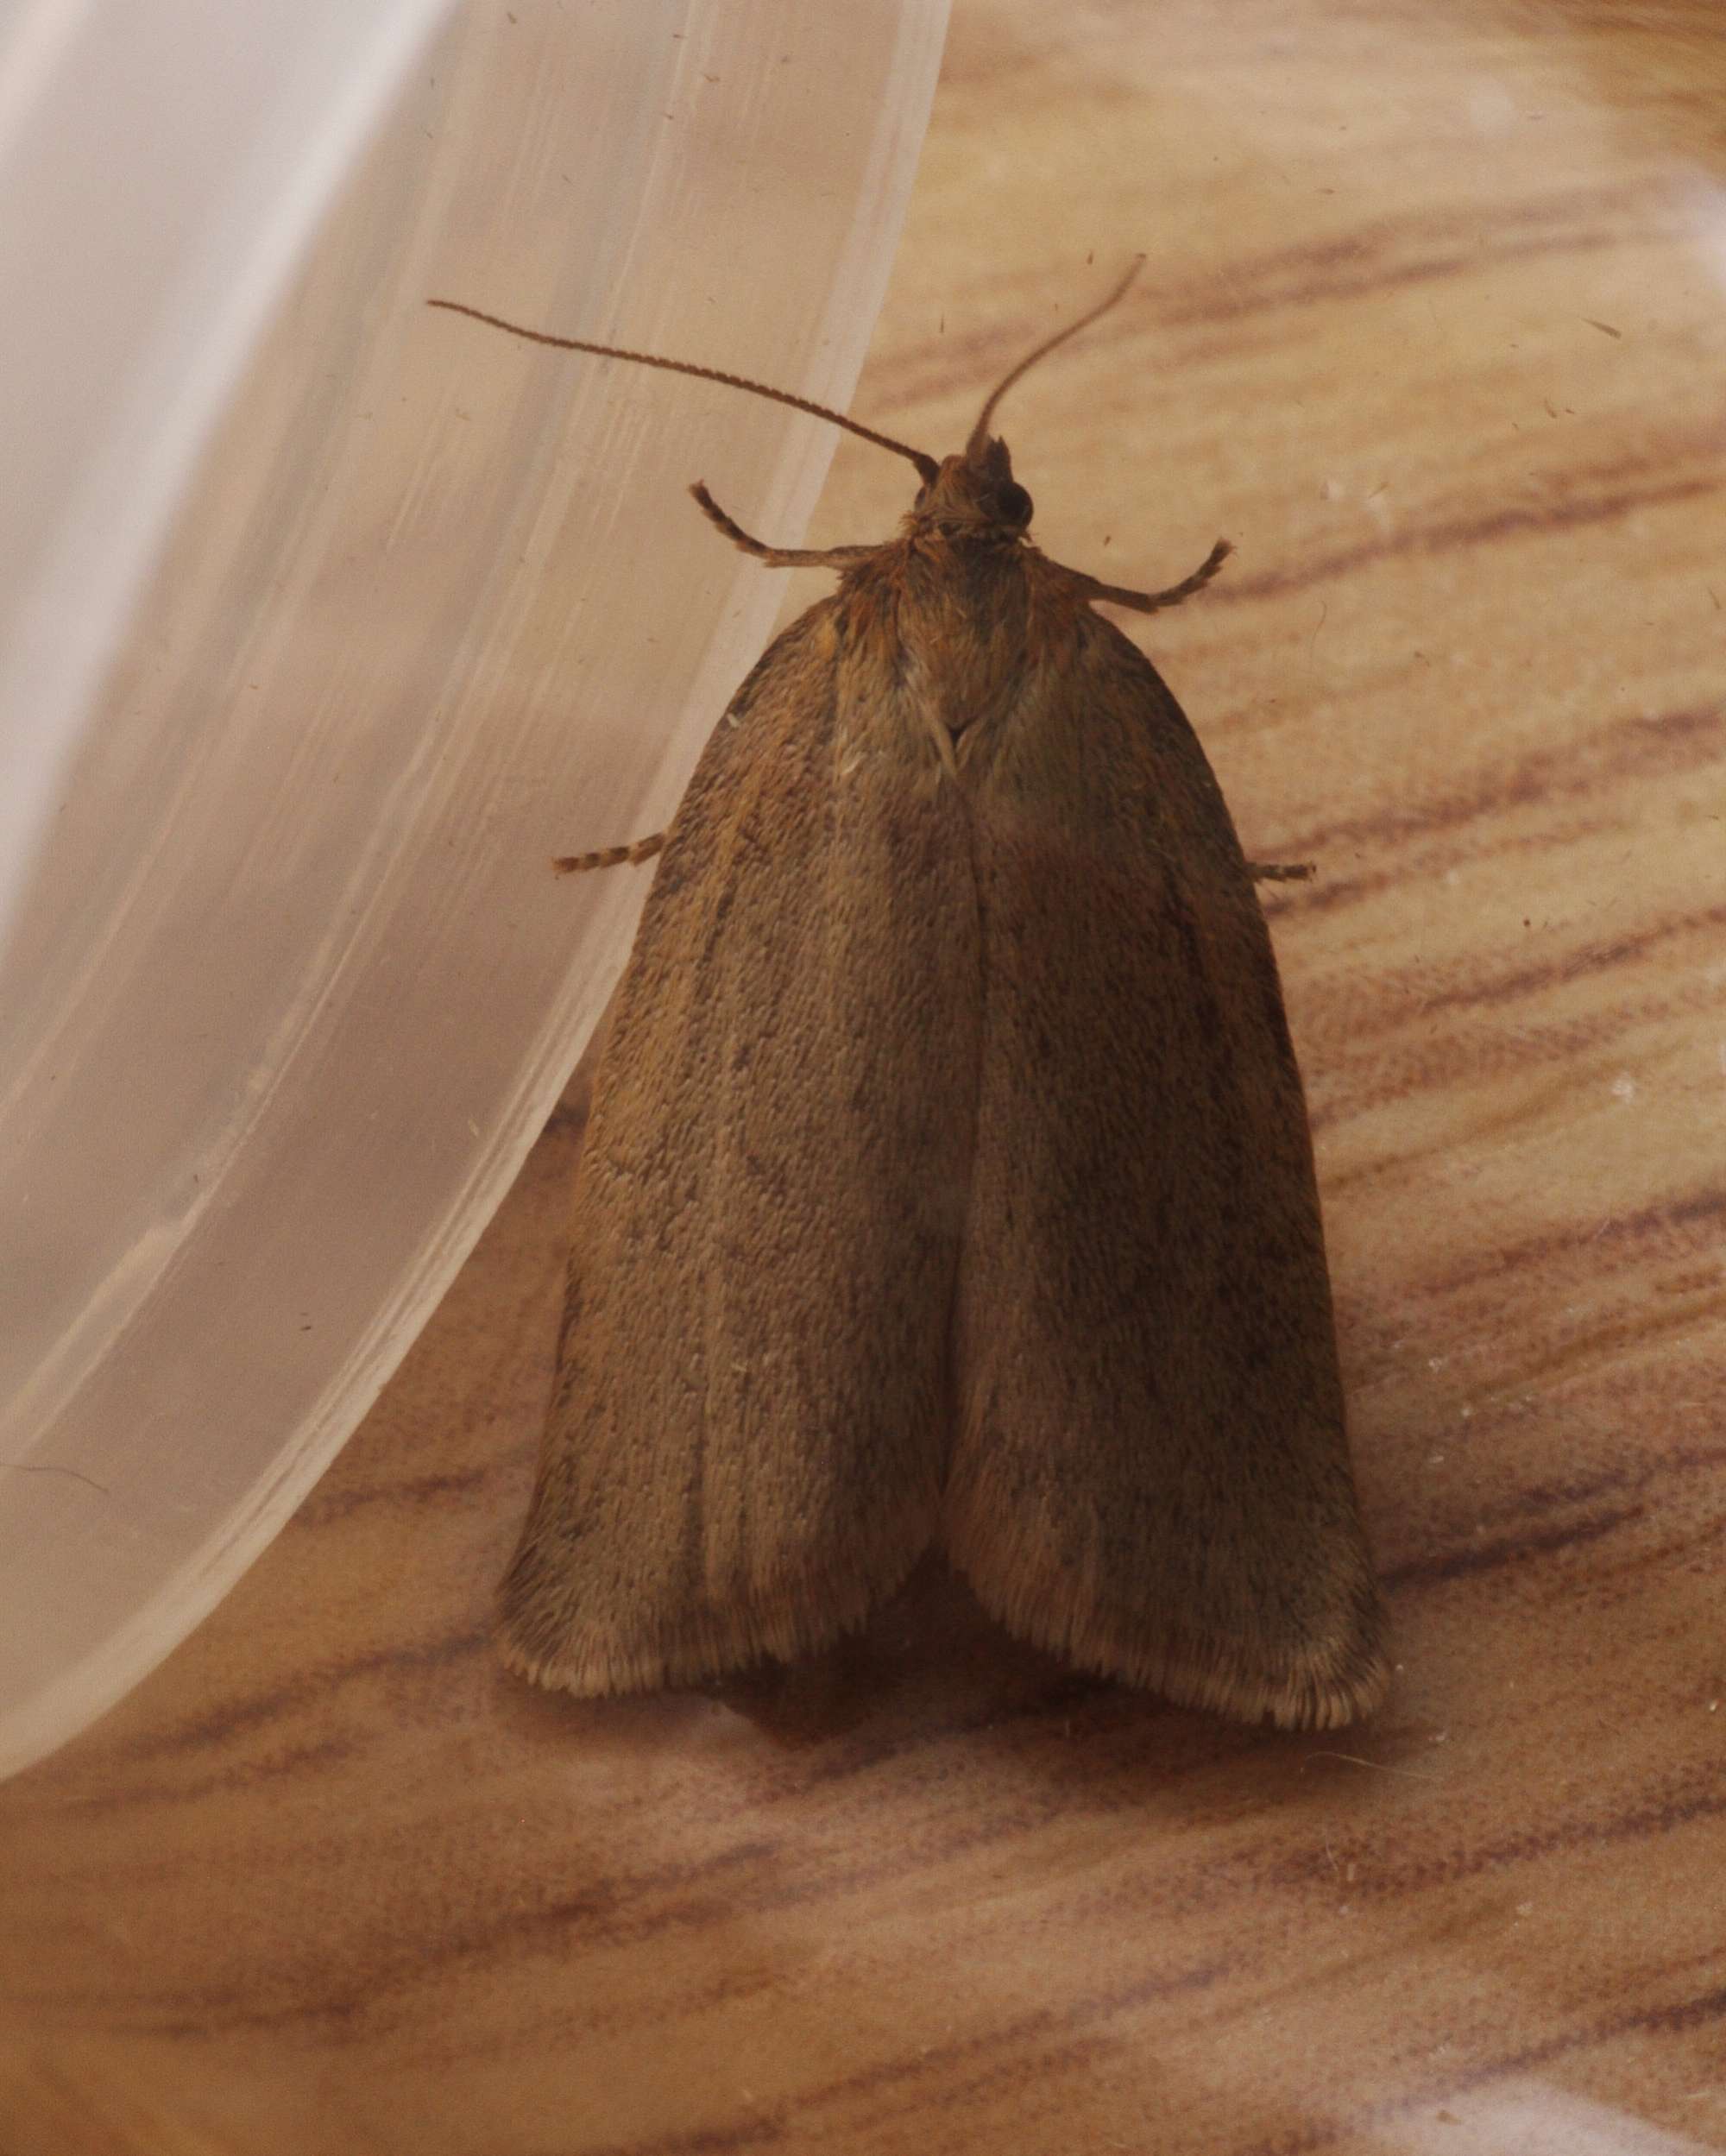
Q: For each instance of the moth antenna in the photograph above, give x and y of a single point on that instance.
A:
(610, 856)
(927, 467)
(1283, 871)
(979, 433)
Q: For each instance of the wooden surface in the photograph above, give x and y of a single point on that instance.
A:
(1430, 327)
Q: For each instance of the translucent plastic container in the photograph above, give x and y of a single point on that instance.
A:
(326, 621)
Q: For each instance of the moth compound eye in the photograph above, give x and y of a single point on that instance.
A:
(1013, 503)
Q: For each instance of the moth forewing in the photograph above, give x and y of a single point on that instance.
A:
(747, 1436)
(1150, 1474)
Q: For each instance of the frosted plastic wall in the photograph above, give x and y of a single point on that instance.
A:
(325, 620)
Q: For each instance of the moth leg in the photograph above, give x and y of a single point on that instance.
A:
(1154, 601)
(1281, 871)
(778, 556)
(610, 856)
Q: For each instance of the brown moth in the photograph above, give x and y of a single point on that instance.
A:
(949, 1181)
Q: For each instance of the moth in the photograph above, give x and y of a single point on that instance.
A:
(949, 1181)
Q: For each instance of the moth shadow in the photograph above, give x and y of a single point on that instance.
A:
(932, 1666)
(933, 1690)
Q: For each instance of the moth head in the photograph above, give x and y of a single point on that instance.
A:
(976, 493)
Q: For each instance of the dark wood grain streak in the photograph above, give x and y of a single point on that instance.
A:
(1415, 250)
(1469, 536)
(1661, 746)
